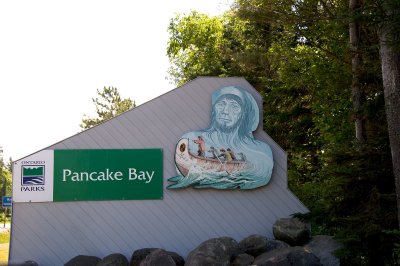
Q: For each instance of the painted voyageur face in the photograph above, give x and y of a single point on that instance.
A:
(227, 113)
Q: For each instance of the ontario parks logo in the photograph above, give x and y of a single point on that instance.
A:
(32, 175)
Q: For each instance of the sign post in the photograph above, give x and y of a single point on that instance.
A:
(6, 203)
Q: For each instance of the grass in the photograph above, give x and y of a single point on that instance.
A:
(4, 238)
(4, 254)
(4, 246)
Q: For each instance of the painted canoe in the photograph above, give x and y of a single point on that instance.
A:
(186, 160)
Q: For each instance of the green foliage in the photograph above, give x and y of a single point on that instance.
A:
(5, 179)
(194, 46)
(108, 105)
(200, 45)
(394, 237)
(6, 182)
(296, 54)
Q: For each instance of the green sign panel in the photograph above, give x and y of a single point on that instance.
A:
(108, 174)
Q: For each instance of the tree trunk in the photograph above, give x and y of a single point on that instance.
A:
(390, 61)
(356, 89)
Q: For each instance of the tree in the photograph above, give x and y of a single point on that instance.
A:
(389, 41)
(356, 88)
(297, 55)
(200, 45)
(351, 167)
(5, 177)
(194, 47)
(108, 105)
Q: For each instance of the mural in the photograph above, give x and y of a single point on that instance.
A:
(226, 155)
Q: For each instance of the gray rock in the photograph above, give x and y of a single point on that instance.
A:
(253, 245)
(287, 257)
(323, 247)
(25, 263)
(158, 257)
(243, 260)
(83, 260)
(256, 245)
(275, 244)
(215, 251)
(292, 231)
(115, 259)
(179, 261)
(141, 254)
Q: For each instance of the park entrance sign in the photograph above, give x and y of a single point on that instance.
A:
(187, 166)
(89, 174)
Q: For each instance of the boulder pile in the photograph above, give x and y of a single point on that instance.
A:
(293, 245)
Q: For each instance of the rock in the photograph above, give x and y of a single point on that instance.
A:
(253, 245)
(215, 251)
(83, 260)
(26, 263)
(275, 244)
(286, 257)
(141, 254)
(299, 256)
(243, 260)
(158, 257)
(115, 259)
(179, 261)
(323, 247)
(292, 231)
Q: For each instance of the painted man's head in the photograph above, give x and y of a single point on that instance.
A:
(234, 111)
(228, 112)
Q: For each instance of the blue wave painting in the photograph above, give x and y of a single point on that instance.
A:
(33, 180)
(226, 155)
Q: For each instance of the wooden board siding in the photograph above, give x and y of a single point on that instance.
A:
(53, 233)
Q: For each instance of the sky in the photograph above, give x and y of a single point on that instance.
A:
(55, 54)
